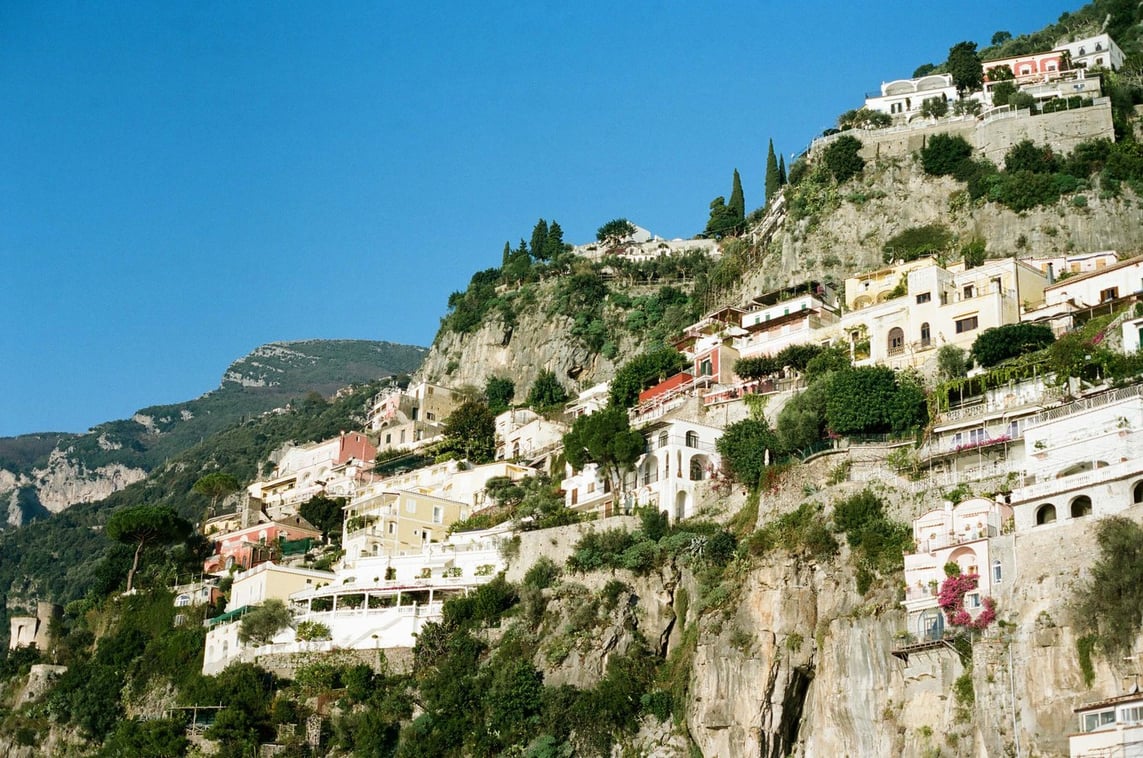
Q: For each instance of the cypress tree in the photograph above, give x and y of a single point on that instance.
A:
(554, 244)
(773, 177)
(737, 204)
(506, 257)
(539, 237)
(782, 171)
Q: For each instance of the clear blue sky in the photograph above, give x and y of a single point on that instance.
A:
(182, 182)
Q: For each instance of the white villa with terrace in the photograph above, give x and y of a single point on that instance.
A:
(957, 534)
(1082, 459)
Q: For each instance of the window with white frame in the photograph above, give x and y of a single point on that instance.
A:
(1098, 719)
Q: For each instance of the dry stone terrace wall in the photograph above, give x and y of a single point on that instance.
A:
(992, 137)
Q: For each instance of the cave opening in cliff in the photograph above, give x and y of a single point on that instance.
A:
(793, 703)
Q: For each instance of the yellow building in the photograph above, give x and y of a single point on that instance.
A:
(396, 522)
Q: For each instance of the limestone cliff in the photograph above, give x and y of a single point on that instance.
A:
(61, 483)
(797, 662)
(843, 238)
(894, 195)
(538, 341)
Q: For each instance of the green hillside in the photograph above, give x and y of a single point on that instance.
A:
(270, 377)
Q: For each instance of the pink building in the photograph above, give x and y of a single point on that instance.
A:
(956, 534)
(257, 543)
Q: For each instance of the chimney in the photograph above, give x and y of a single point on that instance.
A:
(1051, 273)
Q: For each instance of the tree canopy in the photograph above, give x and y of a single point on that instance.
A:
(1003, 342)
(499, 392)
(965, 67)
(546, 393)
(261, 623)
(326, 513)
(143, 526)
(216, 485)
(644, 371)
(471, 431)
(615, 231)
(943, 153)
(773, 180)
(606, 439)
(744, 446)
(1110, 603)
(874, 400)
(842, 159)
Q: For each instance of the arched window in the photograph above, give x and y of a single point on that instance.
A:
(1045, 514)
(925, 335)
(182, 600)
(896, 340)
(692, 439)
(1081, 506)
(997, 572)
(696, 469)
(1137, 493)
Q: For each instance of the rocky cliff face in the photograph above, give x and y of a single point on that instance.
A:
(798, 663)
(539, 341)
(63, 482)
(895, 195)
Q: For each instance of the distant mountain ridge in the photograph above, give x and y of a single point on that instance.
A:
(48, 472)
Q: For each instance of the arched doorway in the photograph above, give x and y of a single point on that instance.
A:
(680, 506)
(1045, 514)
(1081, 507)
(931, 624)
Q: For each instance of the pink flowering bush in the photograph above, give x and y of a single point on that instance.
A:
(951, 600)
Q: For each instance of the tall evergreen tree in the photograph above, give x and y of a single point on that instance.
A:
(519, 262)
(539, 237)
(507, 256)
(773, 177)
(781, 171)
(554, 244)
(722, 221)
(737, 204)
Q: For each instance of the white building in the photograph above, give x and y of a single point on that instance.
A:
(331, 467)
(786, 317)
(983, 435)
(524, 434)
(412, 418)
(454, 480)
(377, 603)
(930, 306)
(1082, 459)
(903, 98)
(952, 534)
(1109, 728)
(1099, 286)
(680, 455)
(1099, 51)
(590, 491)
(267, 581)
(593, 399)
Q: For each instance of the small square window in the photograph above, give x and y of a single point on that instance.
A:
(924, 297)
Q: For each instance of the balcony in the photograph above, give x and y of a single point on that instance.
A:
(1087, 404)
(941, 541)
(1089, 478)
